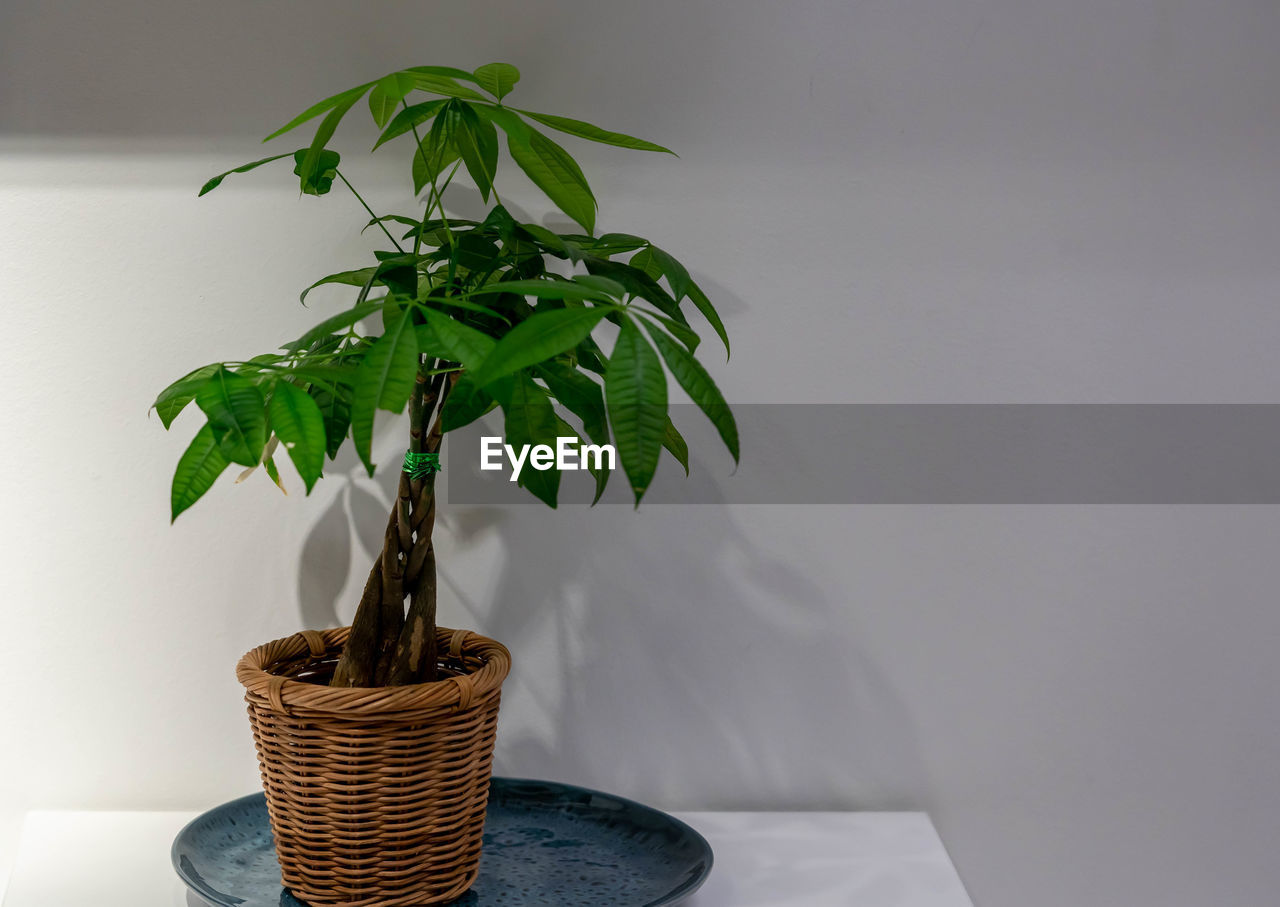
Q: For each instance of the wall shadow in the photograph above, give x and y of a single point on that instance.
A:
(680, 660)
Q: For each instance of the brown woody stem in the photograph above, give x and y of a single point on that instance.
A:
(388, 647)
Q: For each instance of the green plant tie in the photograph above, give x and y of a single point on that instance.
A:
(420, 465)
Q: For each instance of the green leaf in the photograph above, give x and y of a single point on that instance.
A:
(269, 466)
(397, 218)
(530, 419)
(407, 119)
(497, 78)
(681, 332)
(313, 168)
(635, 390)
(236, 412)
(459, 342)
(593, 133)
(325, 374)
(335, 323)
(615, 243)
(600, 473)
(357, 278)
(540, 336)
(387, 95)
(590, 356)
(579, 395)
(243, 168)
(448, 72)
(553, 288)
(677, 276)
(643, 260)
(557, 174)
(198, 468)
(174, 398)
(676, 445)
(477, 143)
(476, 252)
(456, 302)
(464, 405)
(336, 411)
(319, 179)
(700, 388)
(348, 97)
(398, 273)
(439, 84)
(551, 242)
(610, 288)
(298, 423)
(384, 380)
(431, 158)
(637, 283)
(709, 312)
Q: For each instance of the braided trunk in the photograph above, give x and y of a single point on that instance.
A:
(387, 646)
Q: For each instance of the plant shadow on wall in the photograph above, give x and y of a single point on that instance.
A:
(691, 631)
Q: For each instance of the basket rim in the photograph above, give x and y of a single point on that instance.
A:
(286, 694)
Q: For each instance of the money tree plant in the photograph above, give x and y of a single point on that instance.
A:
(452, 319)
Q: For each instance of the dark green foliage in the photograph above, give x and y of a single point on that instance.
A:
(475, 303)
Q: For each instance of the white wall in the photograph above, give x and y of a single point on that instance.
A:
(893, 202)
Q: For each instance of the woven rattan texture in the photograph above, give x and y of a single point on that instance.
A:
(376, 796)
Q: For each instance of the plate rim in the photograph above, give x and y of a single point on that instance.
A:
(684, 890)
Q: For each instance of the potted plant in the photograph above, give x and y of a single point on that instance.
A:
(375, 741)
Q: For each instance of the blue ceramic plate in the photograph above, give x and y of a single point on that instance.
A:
(544, 843)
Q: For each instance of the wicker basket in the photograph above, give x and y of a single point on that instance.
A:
(376, 796)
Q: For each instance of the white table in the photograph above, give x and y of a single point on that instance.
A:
(852, 859)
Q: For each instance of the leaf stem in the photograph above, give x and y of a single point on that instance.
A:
(371, 214)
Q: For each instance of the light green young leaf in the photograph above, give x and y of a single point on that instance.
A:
(387, 95)
(557, 174)
(335, 323)
(700, 388)
(309, 168)
(540, 336)
(446, 72)
(348, 97)
(635, 390)
(237, 415)
(298, 423)
(497, 78)
(430, 159)
(407, 119)
(316, 178)
(243, 168)
(197, 470)
(477, 144)
(357, 278)
(643, 260)
(593, 133)
(437, 84)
